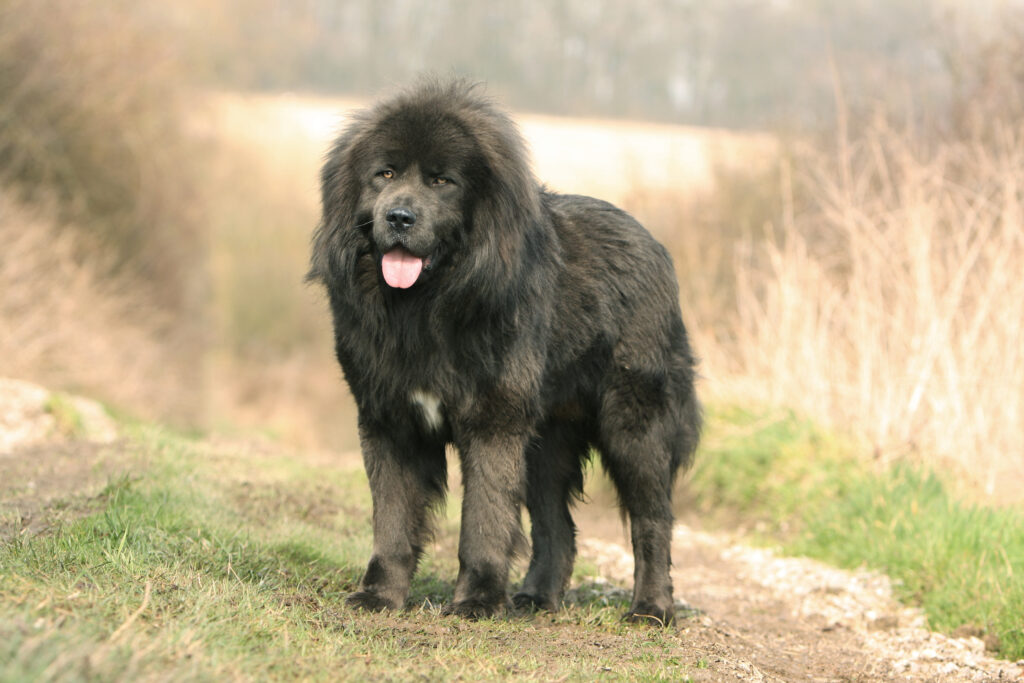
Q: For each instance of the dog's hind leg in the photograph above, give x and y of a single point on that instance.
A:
(554, 475)
(639, 439)
(644, 489)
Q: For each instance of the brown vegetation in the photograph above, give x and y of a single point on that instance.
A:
(895, 304)
(103, 263)
(881, 293)
(66, 323)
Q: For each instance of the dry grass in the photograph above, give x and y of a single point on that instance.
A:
(65, 322)
(103, 279)
(91, 114)
(895, 304)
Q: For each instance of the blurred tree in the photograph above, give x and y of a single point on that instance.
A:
(728, 62)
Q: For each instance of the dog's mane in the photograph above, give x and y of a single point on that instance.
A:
(506, 220)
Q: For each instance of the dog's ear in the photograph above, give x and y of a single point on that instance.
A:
(506, 220)
(339, 191)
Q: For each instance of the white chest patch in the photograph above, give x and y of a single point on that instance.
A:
(430, 407)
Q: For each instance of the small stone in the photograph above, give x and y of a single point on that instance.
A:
(884, 623)
(968, 631)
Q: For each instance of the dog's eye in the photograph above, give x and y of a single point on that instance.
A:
(440, 181)
(386, 174)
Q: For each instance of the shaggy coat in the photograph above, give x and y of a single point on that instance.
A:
(472, 307)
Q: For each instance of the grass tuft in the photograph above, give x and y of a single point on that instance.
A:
(68, 418)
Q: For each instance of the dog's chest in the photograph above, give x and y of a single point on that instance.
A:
(429, 407)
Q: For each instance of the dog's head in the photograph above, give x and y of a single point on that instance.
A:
(417, 170)
(430, 185)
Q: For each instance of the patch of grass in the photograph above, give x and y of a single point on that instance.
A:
(767, 466)
(68, 418)
(233, 562)
(962, 563)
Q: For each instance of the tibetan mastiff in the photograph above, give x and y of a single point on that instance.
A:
(528, 329)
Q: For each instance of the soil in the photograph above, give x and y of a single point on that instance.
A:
(746, 613)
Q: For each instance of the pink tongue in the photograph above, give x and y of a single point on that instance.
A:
(400, 268)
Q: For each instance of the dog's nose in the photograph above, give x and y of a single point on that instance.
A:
(400, 218)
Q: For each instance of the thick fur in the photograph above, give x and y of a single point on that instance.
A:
(542, 326)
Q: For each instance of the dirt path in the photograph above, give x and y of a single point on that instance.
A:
(767, 618)
(758, 617)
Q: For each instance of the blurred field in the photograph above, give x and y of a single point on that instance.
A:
(605, 158)
(271, 366)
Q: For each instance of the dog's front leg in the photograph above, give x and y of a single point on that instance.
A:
(493, 471)
(406, 477)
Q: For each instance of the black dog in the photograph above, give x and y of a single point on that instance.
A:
(472, 307)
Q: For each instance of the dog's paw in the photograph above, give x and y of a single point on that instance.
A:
(532, 603)
(371, 602)
(472, 609)
(649, 613)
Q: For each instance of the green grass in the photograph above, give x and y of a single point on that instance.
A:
(69, 420)
(962, 563)
(206, 564)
